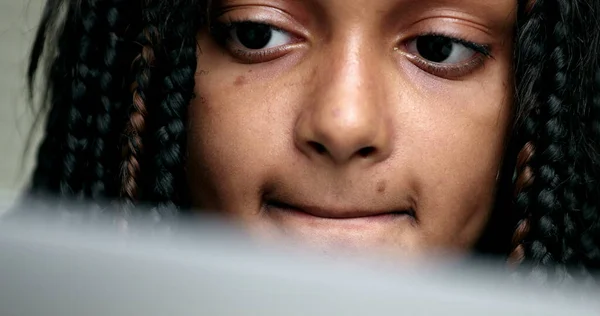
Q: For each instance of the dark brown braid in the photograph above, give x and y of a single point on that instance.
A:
(524, 180)
(132, 150)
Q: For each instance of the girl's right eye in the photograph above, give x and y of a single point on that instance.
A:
(253, 42)
(256, 36)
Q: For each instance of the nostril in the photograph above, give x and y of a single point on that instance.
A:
(366, 151)
(319, 148)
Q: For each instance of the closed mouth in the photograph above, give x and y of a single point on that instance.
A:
(336, 213)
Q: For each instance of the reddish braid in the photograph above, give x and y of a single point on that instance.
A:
(135, 128)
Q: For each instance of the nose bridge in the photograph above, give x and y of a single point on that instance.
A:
(347, 79)
(347, 113)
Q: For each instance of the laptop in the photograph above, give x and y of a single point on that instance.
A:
(53, 267)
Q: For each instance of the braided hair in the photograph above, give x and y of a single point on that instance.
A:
(101, 129)
(118, 89)
(555, 187)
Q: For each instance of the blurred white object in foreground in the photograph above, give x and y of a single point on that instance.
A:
(61, 270)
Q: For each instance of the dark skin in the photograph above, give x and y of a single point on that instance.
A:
(354, 128)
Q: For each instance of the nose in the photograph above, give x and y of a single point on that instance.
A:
(345, 118)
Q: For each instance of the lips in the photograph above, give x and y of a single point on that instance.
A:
(336, 212)
(355, 221)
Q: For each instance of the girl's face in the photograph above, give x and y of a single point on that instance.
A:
(353, 125)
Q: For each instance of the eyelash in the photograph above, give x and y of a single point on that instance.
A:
(453, 71)
(221, 33)
(482, 49)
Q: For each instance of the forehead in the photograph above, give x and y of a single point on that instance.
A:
(489, 12)
(365, 5)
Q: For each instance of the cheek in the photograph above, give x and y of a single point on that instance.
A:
(227, 143)
(463, 133)
(238, 131)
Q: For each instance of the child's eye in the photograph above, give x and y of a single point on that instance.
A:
(440, 49)
(255, 36)
(446, 57)
(253, 42)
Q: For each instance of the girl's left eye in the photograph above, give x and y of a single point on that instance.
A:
(257, 36)
(440, 50)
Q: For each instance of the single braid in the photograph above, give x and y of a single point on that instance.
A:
(76, 157)
(102, 184)
(586, 228)
(551, 145)
(524, 180)
(530, 60)
(133, 148)
(590, 236)
(170, 117)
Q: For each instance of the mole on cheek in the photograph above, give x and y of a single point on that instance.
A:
(381, 186)
(241, 80)
(202, 103)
